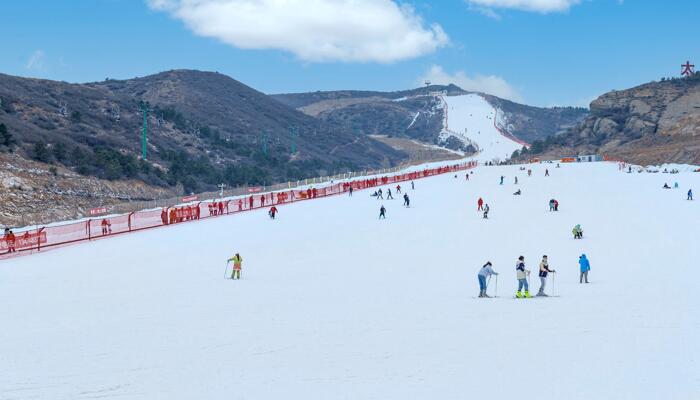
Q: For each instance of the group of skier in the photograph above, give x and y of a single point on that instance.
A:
(523, 274)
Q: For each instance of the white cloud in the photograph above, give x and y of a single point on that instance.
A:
(489, 84)
(314, 30)
(36, 61)
(485, 11)
(541, 6)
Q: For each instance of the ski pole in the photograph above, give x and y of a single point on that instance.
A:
(226, 270)
(487, 283)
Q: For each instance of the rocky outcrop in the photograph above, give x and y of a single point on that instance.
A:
(650, 124)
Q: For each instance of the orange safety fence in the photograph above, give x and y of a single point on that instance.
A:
(41, 238)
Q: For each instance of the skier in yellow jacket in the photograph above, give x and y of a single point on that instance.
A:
(237, 261)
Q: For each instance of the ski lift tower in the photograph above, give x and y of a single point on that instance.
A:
(144, 138)
(294, 135)
(427, 83)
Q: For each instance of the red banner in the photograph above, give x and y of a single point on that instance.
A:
(24, 240)
(189, 198)
(255, 189)
(98, 210)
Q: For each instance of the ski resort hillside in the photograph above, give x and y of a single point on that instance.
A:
(335, 303)
(470, 118)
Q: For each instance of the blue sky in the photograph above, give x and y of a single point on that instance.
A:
(540, 52)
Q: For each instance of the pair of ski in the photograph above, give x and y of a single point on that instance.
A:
(515, 297)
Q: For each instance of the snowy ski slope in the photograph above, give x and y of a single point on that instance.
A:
(470, 116)
(336, 304)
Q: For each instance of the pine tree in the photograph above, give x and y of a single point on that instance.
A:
(6, 139)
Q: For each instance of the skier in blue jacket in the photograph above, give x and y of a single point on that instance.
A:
(484, 273)
(585, 267)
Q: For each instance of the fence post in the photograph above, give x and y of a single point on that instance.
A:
(38, 239)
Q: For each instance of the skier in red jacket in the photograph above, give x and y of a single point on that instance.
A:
(272, 212)
(481, 204)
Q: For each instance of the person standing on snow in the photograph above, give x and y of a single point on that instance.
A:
(379, 194)
(585, 267)
(398, 188)
(406, 200)
(553, 205)
(388, 195)
(546, 172)
(237, 262)
(486, 211)
(350, 190)
(690, 194)
(382, 212)
(466, 176)
(484, 273)
(577, 231)
(516, 180)
(544, 270)
(502, 177)
(413, 186)
(10, 240)
(522, 273)
(480, 204)
(272, 212)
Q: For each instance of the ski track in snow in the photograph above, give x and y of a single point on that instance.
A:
(471, 116)
(335, 304)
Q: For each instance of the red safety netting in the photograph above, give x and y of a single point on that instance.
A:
(30, 241)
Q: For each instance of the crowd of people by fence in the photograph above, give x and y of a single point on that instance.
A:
(62, 234)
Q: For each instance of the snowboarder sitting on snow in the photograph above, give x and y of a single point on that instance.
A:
(382, 212)
(486, 211)
(485, 272)
(544, 270)
(237, 261)
(517, 193)
(585, 267)
(690, 194)
(406, 200)
(272, 212)
(522, 275)
(375, 194)
(666, 186)
(577, 231)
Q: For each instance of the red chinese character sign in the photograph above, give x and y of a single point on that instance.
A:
(687, 69)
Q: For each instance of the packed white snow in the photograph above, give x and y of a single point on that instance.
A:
(336, 304)
(471, 117)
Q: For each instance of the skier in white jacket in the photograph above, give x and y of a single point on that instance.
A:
(484, 273)
(522, 274)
